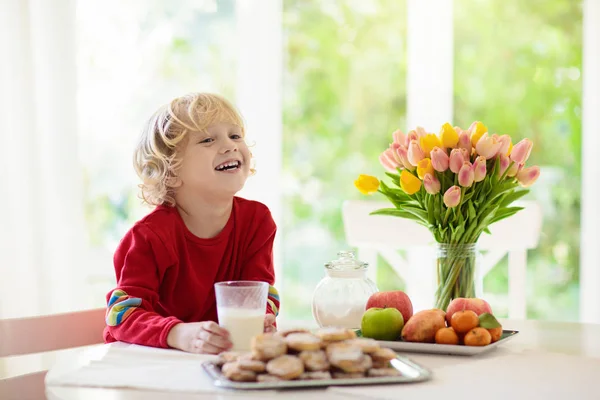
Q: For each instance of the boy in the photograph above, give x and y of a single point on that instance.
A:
(192, 160)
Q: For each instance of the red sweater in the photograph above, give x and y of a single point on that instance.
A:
(166, 275)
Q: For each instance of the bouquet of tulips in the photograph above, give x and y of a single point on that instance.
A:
(456, 184)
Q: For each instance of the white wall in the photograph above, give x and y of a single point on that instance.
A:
(589, 295)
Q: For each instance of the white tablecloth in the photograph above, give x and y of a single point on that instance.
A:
(121, 365)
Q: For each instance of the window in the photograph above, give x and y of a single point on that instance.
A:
(129, 63)
(518, 69)
(344, 93)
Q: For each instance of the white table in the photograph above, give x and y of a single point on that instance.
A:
(548, 360)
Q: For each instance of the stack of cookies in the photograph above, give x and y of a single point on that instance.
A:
(299, 354)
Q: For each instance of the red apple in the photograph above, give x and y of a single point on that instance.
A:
(393, 299)
(479, 306)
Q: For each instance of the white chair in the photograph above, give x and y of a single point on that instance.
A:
(20, 336)
(375, 235)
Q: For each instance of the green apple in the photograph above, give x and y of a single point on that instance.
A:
(382, 323)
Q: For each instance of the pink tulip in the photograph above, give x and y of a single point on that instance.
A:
(457, 159)
(439, 159)
(520, 153)
(506, 142)
(432, 184)
(452, 197)
(399, 137)
(504, 163)
(387, 160)
(464, 141)
(514, 169)
(415, 154)
(421, 131)
(528, 176)
(479, 169)
(402, 156)
(412, 135)
(466, 175)
(488, 146)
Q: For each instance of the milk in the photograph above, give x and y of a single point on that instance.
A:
(242, 324)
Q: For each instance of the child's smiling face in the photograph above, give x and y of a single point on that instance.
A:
(215, 162)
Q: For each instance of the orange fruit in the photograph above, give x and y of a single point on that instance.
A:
(496, 333)
(446, 336)
(478, 337)
(464, 321)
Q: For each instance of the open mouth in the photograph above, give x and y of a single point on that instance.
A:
(228, 166)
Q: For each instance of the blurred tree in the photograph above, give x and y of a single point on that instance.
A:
(344, 94)
(518, 69)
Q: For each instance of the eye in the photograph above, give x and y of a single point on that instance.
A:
(235, 136)
(206, 140)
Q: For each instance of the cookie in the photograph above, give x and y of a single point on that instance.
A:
(315, 375)
(233, 372)
(288, 332)
(335, 334)
(314, 360)
(347, 375)
(267, 346)
(252, 365)
(383, 355)
(303, 341)
(285, 367)
(361, 365)
(382, 372)
(367, 345)
(227, 356)
(268, 378)
(345, 356)
(380, 364)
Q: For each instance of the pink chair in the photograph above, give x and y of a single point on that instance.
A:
(32, 335)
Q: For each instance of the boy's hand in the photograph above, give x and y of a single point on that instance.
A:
(270, 323)
(199, 337)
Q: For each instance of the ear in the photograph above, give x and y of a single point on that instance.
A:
(173, 181)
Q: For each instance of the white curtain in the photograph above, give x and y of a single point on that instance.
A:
(41, 226)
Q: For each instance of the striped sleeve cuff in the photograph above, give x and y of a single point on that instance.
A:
(120, 306)
(273, 300)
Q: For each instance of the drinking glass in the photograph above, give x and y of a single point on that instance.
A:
(241, 308)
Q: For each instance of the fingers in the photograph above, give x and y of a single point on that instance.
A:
(200, 346)
(270, 329)
(213, 327)
(219, 342)
(269, 320)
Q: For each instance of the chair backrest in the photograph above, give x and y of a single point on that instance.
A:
(521, 231)
(31, 335)
(380, 235)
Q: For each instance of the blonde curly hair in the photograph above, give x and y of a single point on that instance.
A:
(157, 156)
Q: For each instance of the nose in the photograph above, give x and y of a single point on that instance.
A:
(228, 146)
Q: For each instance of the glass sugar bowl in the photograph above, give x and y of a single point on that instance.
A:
(340, 298)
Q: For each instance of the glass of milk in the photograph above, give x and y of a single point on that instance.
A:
(241, 308)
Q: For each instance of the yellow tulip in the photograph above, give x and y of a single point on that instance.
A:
(428, 142)
(367, 184)
(409, 183)
(424, 167)
(477, 130)
(448, 136)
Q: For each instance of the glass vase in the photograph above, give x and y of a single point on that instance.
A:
(457, 266)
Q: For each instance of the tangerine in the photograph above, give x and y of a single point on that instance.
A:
(496, 333)
(464, 321)
(478, 337)
(446, 336)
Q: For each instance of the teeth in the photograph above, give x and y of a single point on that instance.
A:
(228, 165)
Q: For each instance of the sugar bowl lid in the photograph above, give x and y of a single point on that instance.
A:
(346, 261)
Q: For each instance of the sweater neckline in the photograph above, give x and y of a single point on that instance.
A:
(224, 234)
